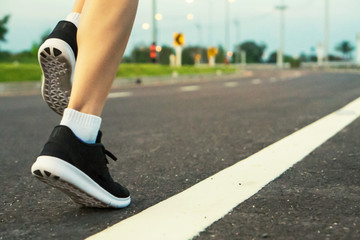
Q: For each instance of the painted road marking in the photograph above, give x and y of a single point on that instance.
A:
(284, 78)
(120, 94)
(273, 80)
(231, 84)
(256, 81)
(186, 214)
(190, 88)
(297, 74)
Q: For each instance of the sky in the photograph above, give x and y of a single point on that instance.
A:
(256, 20)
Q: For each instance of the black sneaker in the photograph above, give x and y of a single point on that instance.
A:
(79, 170)
(57, 60)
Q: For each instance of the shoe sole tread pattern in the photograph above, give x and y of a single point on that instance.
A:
(57, 63)
(72, 191)
(74, 183)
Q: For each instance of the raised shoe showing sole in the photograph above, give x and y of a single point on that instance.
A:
(79, 170)
(57, 62)
(57, 57)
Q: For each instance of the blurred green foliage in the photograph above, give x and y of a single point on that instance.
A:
(11, 72)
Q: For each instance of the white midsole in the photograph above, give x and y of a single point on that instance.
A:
(66, 50)
(74, 176)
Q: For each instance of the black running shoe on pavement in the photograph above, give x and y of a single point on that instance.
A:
(57, 60)
(79, 170)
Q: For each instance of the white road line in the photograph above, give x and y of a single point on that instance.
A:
(186, 214)
(120, 94)
(273, 80)
(231, 84)
(256, 81)
(190, 88)
(297, 74)
(284, 78)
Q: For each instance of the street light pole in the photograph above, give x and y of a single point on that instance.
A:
(237, 41)
(280, 53)
(154, 28)
(227, 27)
(210, 22)
(199, 31)
(326, 33)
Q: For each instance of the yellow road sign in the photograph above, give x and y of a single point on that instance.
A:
(179, 39)
(197, 57)
(212, 52)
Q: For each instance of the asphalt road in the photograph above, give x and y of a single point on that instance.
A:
(169, 137)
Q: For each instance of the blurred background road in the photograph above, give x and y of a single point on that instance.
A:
(217, 81)
(169, 137)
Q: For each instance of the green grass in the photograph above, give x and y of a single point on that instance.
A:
(139, 70)
(17, 72)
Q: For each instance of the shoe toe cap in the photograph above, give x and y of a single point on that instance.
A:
(120, 191)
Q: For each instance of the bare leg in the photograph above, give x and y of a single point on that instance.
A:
(103, 33)
(78, 6)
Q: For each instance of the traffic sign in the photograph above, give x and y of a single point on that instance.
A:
(212, 52)
(179, 39)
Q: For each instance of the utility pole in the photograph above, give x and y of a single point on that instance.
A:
(326, 33)
(198, 51)
(280, 53)
(227, 26)
(154, 28)
(237, 41)
(210, 22)
(199, 31)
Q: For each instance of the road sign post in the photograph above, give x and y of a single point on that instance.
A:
(178, 57)
(172, 59)
(197, 59)
(280, 52)
(320, 54)
(243, 58)
(179, 41)
(212, 52)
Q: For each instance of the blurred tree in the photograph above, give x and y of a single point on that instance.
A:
(345, 48)
(335, 58)
(294, 62)
(165, 53)
(204, 57)
(273, 58)
(126, 59)
(188, 55)
(313, 58)
(303, 57)
(5, 56)
(3, 27)
(220, 57)
(253, 51)
(140, 54)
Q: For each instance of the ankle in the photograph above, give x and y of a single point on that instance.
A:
(84, 126)
(73, 17)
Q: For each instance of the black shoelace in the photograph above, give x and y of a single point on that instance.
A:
(109, 154)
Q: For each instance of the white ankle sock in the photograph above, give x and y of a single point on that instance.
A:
(84, 126)
(73, 17)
